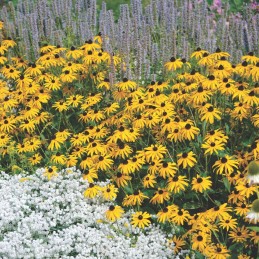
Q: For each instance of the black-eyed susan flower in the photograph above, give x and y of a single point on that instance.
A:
(28, 125)
(50, 172)
(246, 189)
(235, 197)
(111, 108)
(213, 146)
(90, 45)
(79, 151)
(177, 183)
(55, 143)
(211, 114)
(200, 95)
(121, 150)
(218, 251)
(201, 184)
(188, 130)
(239, 235)
(221, 212)
(173, 64)
(254, 72)
(216, 135)
(126, 85)
(199, 241)
(226, 165)
(155, 152)
(126, 167)
(58, 158)
(109, 192)
(32, 144)
(219, 54)
(228, 223)
(206, 60)
(74, 100)
(164, 214)
(89, 174)
(7, 124)
(242, 208)
(121, 179)
(149, 181)
(198, 53)
(35, 159)
(74, 53)
(160, 196)
(167, 169)
(179, 216)
(136, 198)
(71, 160)
(136, 163)
(141, 219)
(53, 83)
(92, 190)
(251, 98)
(114, 213)
(254, 237)
(4, 139)
(3, 49)
(186, 159)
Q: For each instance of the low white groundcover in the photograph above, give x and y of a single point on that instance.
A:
(52, 219)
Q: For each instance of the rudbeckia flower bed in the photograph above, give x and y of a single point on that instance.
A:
(180, 151)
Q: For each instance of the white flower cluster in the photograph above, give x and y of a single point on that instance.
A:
(52, 219)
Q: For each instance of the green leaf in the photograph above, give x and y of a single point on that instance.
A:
(128, 190)
(192, 205)
(238, 2)
(254, 228)
(226, 183)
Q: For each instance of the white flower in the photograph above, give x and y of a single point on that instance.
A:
(253, 172)
(253, 215)
(52, 219)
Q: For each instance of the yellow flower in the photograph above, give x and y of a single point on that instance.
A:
(161, 195)
(211, 114)
(90, 175)
(35, 159)
(92, 191)
(177, 184)
(186, 159)
(173, 64)
(164, 214)
(114, 213)
(199, 241)
(109, 192)
(134, 199)
(213, 146)
(179, 216)
(167, 169)
(155, 152)
(188, 130)
(226, 165)
(228, 223)
(58, 158)
(201, 184)
(149, 181)
(141, 219)
(50, 172)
